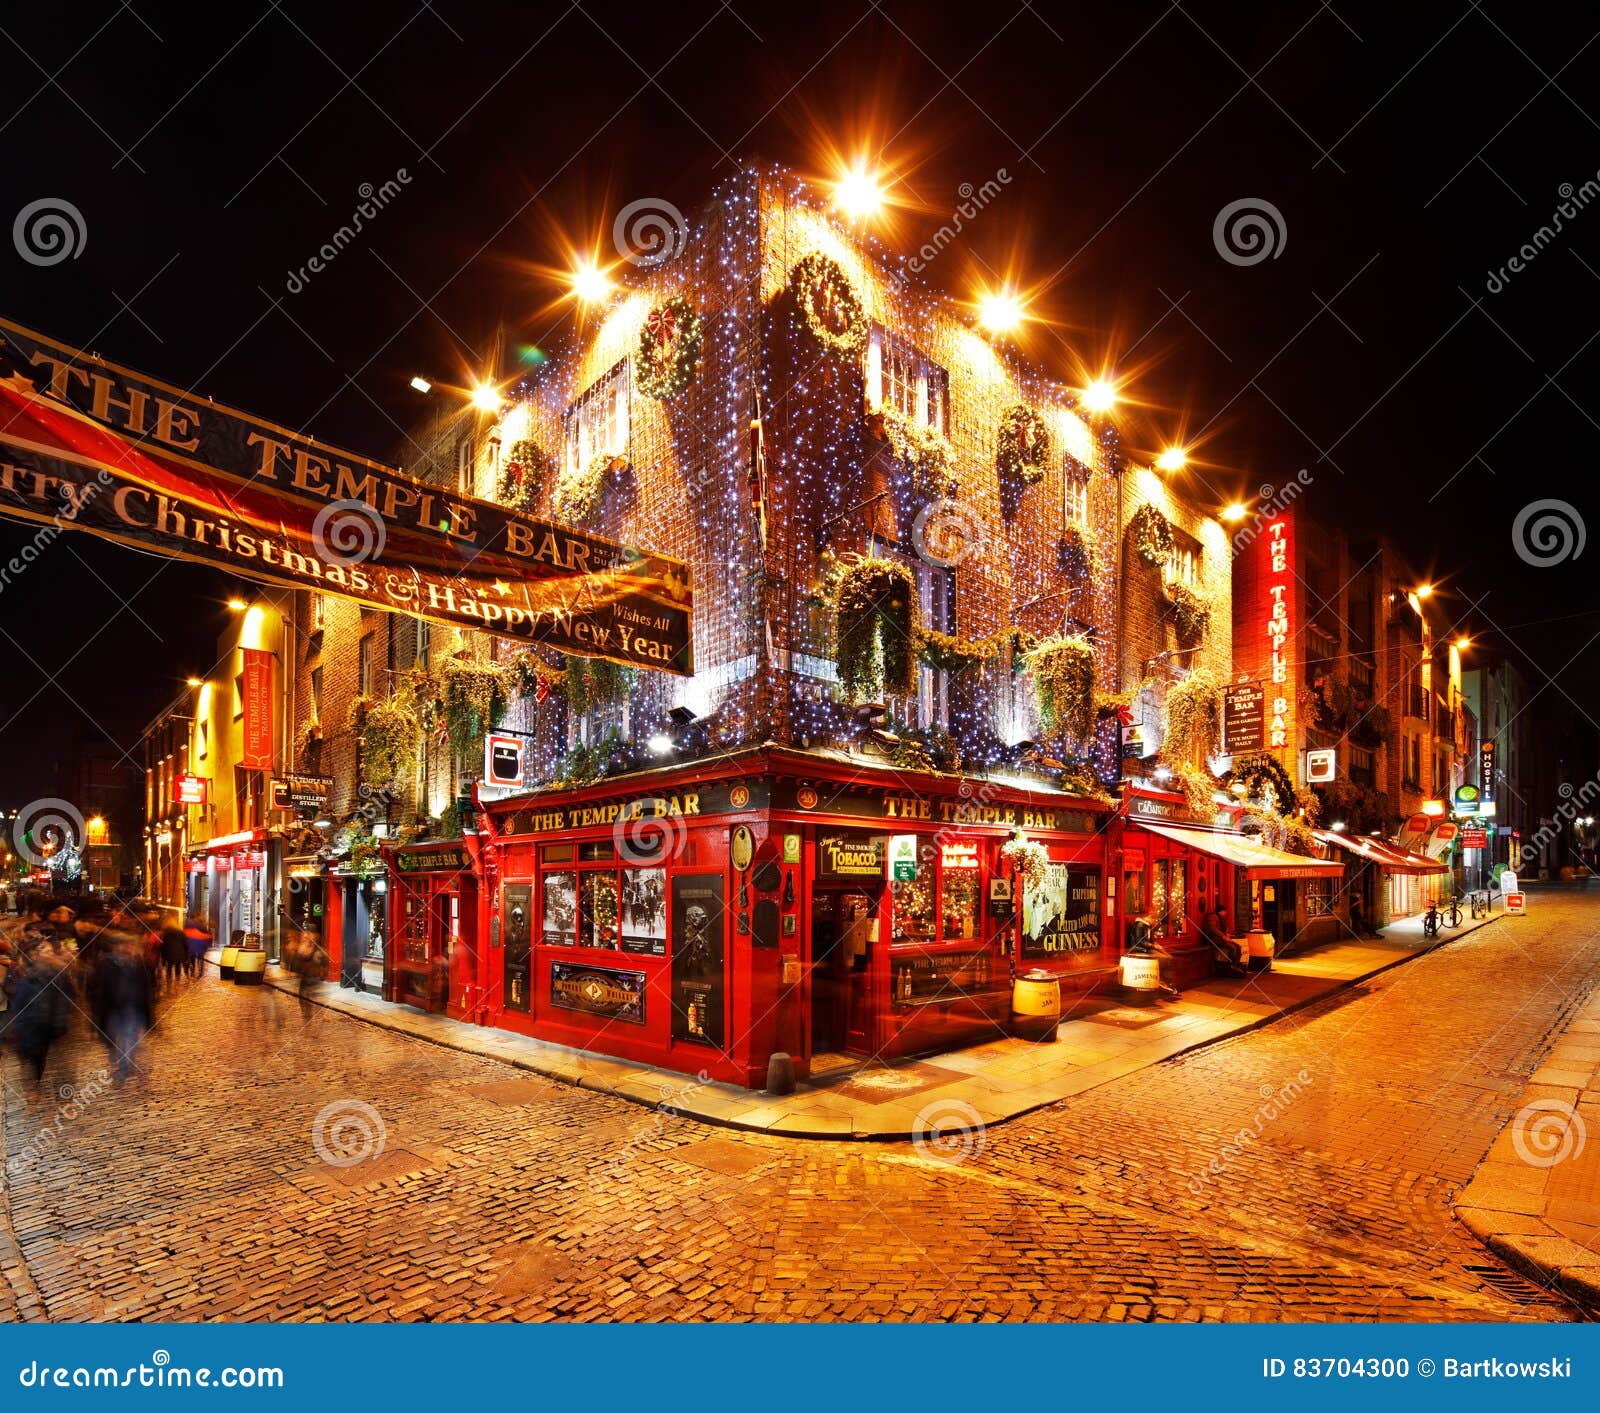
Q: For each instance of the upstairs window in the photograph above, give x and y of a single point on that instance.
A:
(466, 482)
(366, 665)
(1184, 565)
(597, 423)
(900, 377)
(1075, 497)
(318, 612)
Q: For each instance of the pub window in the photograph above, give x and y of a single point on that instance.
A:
(913, 910)
(644, 911)
(1183, 567)
(316, 693)
(317, 612)
(560, 909)
(901, 377)
(465, 483)
(1316, 896)
(1075, 490)
(366, 665)
(424, 643)
(597, 423)
(598, 910)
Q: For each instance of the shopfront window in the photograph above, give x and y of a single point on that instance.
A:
(412, 932)
(962, 910)
(598, 911)
(644, 912)
(913, 910)
(560, 909)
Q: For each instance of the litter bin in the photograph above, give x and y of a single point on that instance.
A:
(1035, 1005)
(250, 966)
(1259, 950)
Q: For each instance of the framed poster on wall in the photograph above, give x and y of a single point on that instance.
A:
(698, 958)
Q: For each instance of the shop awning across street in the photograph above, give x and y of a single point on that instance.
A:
(1389, 856)
(1254, 857)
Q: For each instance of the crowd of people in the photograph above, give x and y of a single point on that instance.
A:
(104, 959)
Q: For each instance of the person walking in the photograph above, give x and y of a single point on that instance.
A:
(119, 997)
(174, 953)
(309, 962)
(198, 936)
(41, 1006)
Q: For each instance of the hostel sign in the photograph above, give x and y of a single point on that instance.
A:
(92, 446)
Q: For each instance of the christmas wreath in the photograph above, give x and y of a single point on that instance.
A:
(1024, 443)
(1190, 613)
(669, 349)
(829, 306)
(1265, 779)
(876, 637)
(523, 476)
(1152, 535)
(1063, 680)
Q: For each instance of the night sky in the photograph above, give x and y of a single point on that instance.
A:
(1409, 154)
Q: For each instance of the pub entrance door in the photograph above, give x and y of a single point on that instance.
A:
(844, 934)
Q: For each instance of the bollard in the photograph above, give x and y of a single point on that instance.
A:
(780, 1073)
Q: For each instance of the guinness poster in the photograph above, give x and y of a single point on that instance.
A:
(87, 445)
(1061, 916)
(697, 958)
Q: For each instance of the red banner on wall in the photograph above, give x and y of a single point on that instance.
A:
(256, 690)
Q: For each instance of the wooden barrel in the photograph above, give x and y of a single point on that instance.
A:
(1035, 1005)
(229, 955)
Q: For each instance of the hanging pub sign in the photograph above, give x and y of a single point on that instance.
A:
(92, 446)
(189, 790)
(1322, 765)
(1485, 771)
(301, 792)
(502, 759)
(903, 858)
(1244, 718)
(1466, 799)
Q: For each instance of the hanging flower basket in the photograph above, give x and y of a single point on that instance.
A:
(1024, 444)
(1190, 613)
(1075, 555)
(876, 631)
(1063, 681)
(473, 696)
(589, 682)
(1029, 860)
(388, 737)
(578, 492)
(1194, 718)
(523, 476)
(829, 306)
(924, 451)
(1151, 532)
(669, 349)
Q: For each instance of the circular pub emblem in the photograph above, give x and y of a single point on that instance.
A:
(807, 798)
(739, 796)
(743, 848)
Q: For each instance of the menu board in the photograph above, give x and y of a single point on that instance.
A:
(1061, 915)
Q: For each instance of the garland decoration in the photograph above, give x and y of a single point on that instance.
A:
(1199, 792)
(523, 476)
(473, 696)
(1075, 554)
(1152, 535)
(924, 451)
(669, 349)
(1029, 860)
(1194, 719)
(1063, 677)
(829, 306)
(578, 490)
(1190, 613)
(950, 652)
(1024, 444)
(930, 748)
(592, 681)
(1261, 773)
(876, 637)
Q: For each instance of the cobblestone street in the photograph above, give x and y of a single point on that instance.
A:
(197, 1192)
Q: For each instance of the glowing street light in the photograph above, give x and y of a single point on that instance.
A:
(1463, 643)
(590, 284)
(1000, 312)
(857, 192)
(421, 384)
(237, 604)
(195, 681)
(1100, 395)
(1424, 591)
(486, 397)
(1233, 514)
(1174, 458)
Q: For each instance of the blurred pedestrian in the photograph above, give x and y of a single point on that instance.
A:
(120, 995)
(309, 962)
(42, 1005)
(174, 953)
(198, 936)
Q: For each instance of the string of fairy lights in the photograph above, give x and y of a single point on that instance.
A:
(757, 604)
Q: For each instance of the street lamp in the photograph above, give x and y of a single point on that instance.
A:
(590, 284)
(1424, 591)
(1100, 395)
(1000, 311)
(857, 192)
(1234, 513)
(486, 397)
(1174, 458)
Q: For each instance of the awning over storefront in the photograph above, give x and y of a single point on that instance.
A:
(1254, 857)
(1381, 852)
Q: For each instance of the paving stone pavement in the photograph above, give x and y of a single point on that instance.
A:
(1303, 1171)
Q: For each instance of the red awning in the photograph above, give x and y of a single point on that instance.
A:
(1254, 857)
(1382, 852)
